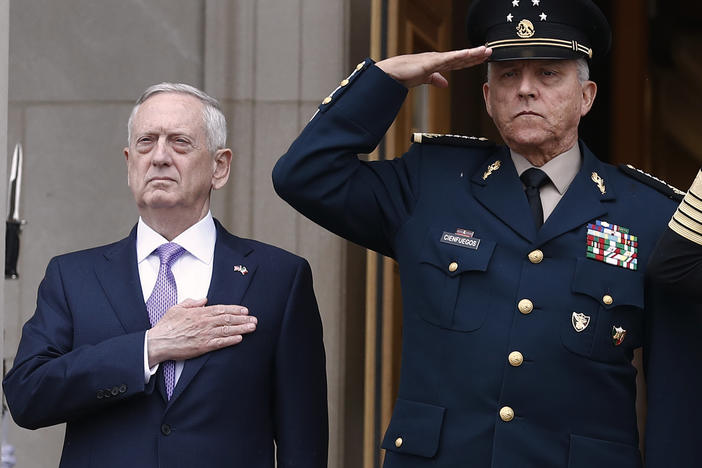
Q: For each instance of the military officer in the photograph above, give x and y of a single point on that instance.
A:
(677, 260)
(521, 265)
(674, 379)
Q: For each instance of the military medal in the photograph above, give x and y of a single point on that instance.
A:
(618, 334)
(612, 244)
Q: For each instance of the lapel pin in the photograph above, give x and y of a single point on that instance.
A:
(492, 168)
(599, 181)
(580, 321)
(241, 269)
(618, 334)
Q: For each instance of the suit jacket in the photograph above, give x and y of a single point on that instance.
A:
(80, 361)
(517, 346)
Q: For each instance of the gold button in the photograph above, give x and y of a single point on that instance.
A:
(607, 299)
(536, 256)
(360, 65)
(506, 414)
(344, 82)
(398, 442)
(453, 267)
(525, 306)
(515, 358)
(327, 100)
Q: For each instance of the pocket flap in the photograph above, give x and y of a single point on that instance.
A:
(415, 429)
(597, 280)
(468, 254)
(586, 453)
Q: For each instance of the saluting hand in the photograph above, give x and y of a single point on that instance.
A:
(190, 329)
(426, 68)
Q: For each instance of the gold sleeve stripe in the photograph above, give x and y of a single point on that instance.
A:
(684, 231)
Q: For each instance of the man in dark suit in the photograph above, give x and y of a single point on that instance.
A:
(521, 265)
(146, 347)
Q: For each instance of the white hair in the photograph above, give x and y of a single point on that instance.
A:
(212, 115)
(581, 64)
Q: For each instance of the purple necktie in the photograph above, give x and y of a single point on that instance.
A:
(163, 297)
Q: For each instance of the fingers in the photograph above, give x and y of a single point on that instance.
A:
(426, 68)
(193, 302)
(459, 59)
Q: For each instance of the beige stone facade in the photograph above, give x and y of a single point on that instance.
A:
(75, 68)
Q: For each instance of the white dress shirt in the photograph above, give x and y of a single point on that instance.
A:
(561, 171)
(192, 270)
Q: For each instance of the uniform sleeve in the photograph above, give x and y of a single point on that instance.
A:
(676, 262)
(301, 423)
(322, 177)
(51, 382)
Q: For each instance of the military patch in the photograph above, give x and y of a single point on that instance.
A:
(450, 140)
(462, 238)
(580, 321)
(618, 334)
(652, 181)
(612, 244)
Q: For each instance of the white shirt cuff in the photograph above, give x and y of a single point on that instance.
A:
(148, 371)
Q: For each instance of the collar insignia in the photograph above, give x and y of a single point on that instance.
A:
(492, 168)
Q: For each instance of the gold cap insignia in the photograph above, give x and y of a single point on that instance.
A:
(525, 29)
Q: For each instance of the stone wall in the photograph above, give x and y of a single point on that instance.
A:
(75, 68)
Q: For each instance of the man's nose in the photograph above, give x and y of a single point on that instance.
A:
(161, 155)
(527, 87)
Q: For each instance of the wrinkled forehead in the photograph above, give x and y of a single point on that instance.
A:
(170, 112)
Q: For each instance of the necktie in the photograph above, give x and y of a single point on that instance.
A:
(533, 180)
(163, 297)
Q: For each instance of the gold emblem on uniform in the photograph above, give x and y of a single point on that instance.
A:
(580, 321)
(492, 168)
(599, 181)
(618, 334)
(525, 29)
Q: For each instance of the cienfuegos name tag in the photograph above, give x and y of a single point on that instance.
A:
(461, 238)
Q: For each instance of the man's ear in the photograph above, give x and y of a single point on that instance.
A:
(126, 157)
(222, 165)
(589, 93)
(486, 97)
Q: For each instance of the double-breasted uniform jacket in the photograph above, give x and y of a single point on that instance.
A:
(81, 361)
(517, 347)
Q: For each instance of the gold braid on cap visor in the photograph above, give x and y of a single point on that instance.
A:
(538, 41)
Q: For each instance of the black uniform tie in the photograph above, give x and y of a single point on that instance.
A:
(534, 179)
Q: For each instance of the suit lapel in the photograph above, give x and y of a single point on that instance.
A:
(228, 286)
(118, 275)
(501, 192)
(582, 202)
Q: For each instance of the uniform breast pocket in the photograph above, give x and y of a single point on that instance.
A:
(453, 289)
(606, 320)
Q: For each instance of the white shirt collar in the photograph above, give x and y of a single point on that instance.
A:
(561, 170)
(199, 239)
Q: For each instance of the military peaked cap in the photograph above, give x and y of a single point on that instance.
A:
(539, 29)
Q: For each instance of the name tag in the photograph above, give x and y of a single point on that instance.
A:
(460, 241)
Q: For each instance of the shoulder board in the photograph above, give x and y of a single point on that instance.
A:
(451, 140)
(652, 181)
